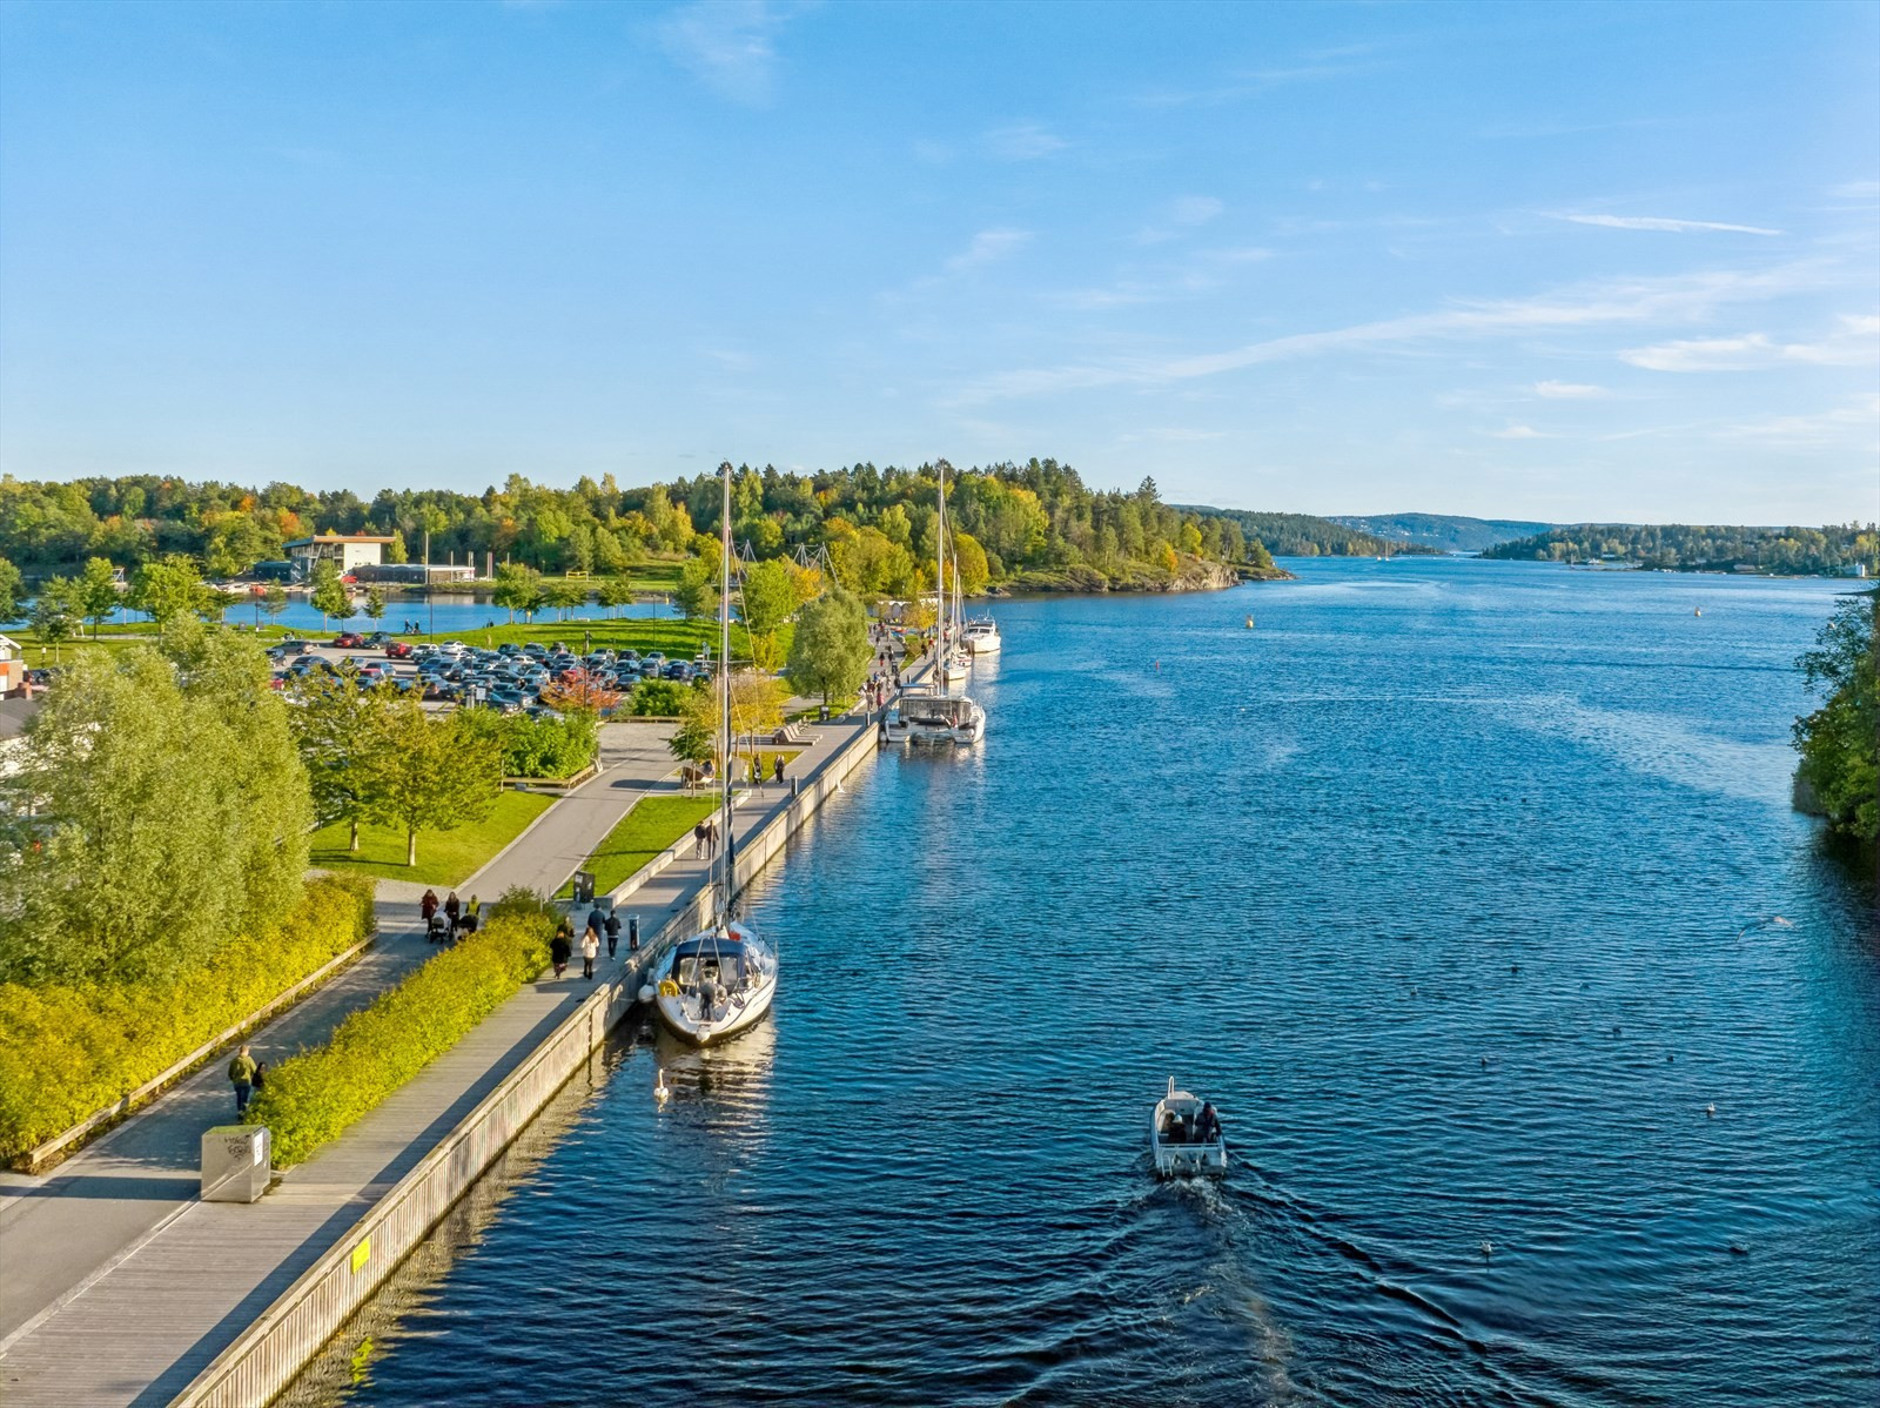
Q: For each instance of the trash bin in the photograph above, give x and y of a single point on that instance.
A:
(237, 1163)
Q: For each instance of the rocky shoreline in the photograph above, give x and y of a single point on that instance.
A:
(1193, 575)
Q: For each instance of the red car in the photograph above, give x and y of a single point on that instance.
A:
(397, 650)
(348, 640)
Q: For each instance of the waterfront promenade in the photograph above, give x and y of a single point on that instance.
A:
(120, 1286)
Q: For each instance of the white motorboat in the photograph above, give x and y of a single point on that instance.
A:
(937, 718)
(1185, 1136)
(982, 636)
(719, 982)
(722, 979)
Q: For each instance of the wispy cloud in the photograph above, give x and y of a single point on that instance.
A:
(1519, 432)
(988, 247)
(1569, 391)
(1658, 222)
(1856, 343)
(1858, 415)
(727, 45)
(1324, 65)
(1856, 190)
(1024, 141)
(1179, 217)
(1681, 298)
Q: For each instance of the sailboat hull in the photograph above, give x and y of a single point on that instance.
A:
(684, 1024)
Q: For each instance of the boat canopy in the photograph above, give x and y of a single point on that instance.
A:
(708, 956)
(947, 710)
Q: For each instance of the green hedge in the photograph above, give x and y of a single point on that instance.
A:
(312, 1098)
(548, 748)
(67, 1052)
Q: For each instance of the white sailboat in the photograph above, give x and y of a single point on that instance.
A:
(935, 715)
(724, 978)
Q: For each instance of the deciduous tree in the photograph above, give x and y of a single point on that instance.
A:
(831, 651)
(330, 597)
(430, 774)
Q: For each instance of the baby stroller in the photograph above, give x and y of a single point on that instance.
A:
(439, 931)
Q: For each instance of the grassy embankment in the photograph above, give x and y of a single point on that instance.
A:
(654, 824)
(444, 857)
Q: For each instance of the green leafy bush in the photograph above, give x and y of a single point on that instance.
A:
(69, 1050)
(311, 1099)
(550, 748)
(662, 699)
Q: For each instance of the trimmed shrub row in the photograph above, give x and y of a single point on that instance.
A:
(312, 1098)
(68, 1051)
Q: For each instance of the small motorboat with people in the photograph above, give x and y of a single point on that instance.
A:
(1185, 1136)
(982, 636)
(722, 979)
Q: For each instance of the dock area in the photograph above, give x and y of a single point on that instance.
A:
(137, 1288)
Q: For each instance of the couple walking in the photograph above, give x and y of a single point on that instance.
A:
(705, 840)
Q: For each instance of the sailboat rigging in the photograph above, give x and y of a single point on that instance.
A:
(724, 978)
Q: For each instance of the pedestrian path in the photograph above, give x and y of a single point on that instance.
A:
(61, 1229)
(168, 1291)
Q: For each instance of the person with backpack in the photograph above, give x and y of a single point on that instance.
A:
(241, 1075)
(613, 932)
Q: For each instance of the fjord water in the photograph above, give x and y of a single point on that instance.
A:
(1452, 883)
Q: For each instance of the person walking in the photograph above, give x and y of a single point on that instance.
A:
(452, 908)
(590, 950)
(472, 916)
(698, 840)
(561, 947)
(613, 932)
(428, 906)
(241, 1075)
(596, 921)
(776, 768)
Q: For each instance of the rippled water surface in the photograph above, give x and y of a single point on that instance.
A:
(1452, 883)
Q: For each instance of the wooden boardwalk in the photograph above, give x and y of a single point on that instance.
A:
(168, 1287)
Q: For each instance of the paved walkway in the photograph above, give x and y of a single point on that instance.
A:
(61, 1230)
(167, 1287)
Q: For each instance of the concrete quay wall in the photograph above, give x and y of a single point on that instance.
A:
(267, 1356)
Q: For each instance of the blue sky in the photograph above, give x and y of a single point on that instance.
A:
(1562, 262)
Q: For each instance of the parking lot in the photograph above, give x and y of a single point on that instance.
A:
(510, 678)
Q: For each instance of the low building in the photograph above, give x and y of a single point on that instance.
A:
(348, 552)
(12, 667)
(414, 574)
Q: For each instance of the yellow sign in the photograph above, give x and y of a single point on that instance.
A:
(361, 1254)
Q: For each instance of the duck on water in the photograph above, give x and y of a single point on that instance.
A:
(724, 978)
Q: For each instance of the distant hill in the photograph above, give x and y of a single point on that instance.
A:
(1302, 535)
(1445, 532)
(1831, 551)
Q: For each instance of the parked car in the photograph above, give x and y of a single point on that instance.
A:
(292, 645)
(348, 640)
(376, 639)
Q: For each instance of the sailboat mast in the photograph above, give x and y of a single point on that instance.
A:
(724, 671)
(940, 588)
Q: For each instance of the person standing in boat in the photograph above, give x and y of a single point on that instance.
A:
(1208, 1126)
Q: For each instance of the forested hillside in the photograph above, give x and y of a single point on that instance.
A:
(1691, 548)
(1446, 532)
(1302, 535)
(1037, 519)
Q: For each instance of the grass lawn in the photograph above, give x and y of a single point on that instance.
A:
(444, 857)
(640, 835)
